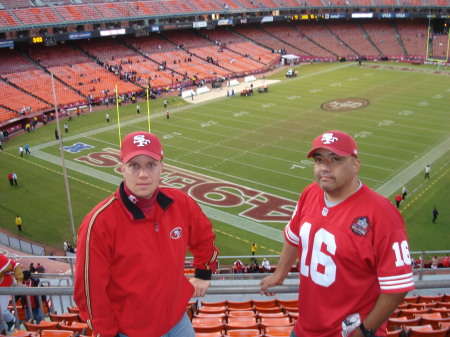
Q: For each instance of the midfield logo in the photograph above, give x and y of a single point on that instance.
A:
(77, 147)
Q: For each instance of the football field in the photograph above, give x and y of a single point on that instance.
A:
(244, 158)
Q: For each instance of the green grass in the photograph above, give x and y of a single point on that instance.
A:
(258, 143)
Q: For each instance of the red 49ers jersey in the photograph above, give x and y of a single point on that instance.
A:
(348, 255)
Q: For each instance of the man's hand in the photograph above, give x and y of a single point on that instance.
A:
(200, 286)
(270, 281)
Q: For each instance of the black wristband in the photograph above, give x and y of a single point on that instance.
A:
(367, 332)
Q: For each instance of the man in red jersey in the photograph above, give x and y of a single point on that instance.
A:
(131, 251)
(351, 242)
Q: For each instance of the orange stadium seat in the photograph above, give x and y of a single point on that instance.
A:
(395, 323)
(213, 310)
(208, 334)
(243, 333)
(244, 305)
(56, 333)
(22, 333)
(241, 322)
(213, 304)
(288, 303)
(240, 313)
(68, 317)
(427, 331)
(265, 304)
(278, 330)
(41, 326)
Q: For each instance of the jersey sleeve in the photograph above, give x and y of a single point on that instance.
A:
(394, 267)
(201, 241)
(92, 275)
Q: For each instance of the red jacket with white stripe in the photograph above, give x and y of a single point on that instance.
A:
(130, 268)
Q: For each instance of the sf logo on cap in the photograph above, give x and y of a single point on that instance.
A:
(327, 138)
(140, 140)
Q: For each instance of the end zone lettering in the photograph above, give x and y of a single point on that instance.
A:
(260, 206)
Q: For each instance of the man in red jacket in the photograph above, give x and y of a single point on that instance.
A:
(131, 251)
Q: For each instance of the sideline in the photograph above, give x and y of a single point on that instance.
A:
(397, 182)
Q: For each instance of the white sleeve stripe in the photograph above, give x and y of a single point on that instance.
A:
(409, 279)
(396, 282)
(395, 277)
(401, 286)
(291, 237)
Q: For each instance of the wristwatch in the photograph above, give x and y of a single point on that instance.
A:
(367, 332)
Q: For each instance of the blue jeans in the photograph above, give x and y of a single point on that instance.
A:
(293, 333)
(36, 314)
(182, 329)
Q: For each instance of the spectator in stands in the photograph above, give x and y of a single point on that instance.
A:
(238, 266)
(446, 262)
(30, 281)
(10, 275)
(40, 268)
(434, 262)
(31, 268)
(131, 251)
(355, 267)
(266, 265)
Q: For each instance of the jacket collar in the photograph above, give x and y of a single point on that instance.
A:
(163, 201)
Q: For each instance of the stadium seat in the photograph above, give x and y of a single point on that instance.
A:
(213, 304)
(278, 330)
(241, 322)
(427, 331)
(41, 326)
(209, 328)
(208, 334)
(81, 328)
(269, 310)
(272, 314)
(243, 333)
(207, 314)
(64, 317)
(213, 310)
(22, 333)
(445, 311)
(73, 310)
(434, 322)
(394, 333)
(244, 305)
(275, 321)
(411, 312)
(240, 313)
(422, 305)
(265, 304)
(411, 299)
(395, 323)
(56, 333)
(207, 321)
(290, 309)
(289, 303)
(431, 299)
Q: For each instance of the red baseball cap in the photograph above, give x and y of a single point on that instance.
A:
(140, 142)
(338, 142)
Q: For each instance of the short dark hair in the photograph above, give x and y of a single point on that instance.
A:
(26, 274)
